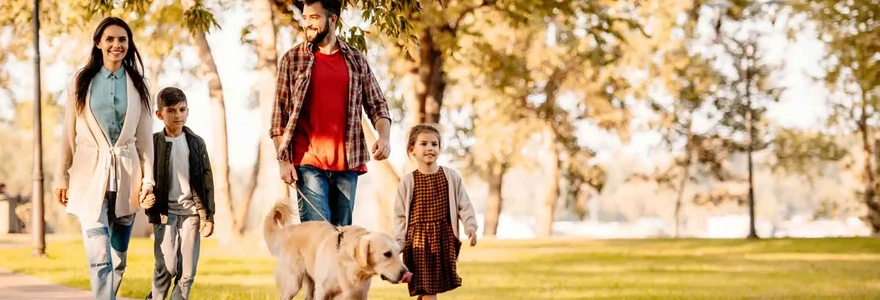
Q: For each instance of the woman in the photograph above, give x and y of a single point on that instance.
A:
(106, 168)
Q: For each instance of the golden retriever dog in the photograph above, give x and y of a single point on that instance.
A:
(326, 263)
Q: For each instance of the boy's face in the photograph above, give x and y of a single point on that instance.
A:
(174, 116)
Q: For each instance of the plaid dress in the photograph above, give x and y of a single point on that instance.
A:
(431, 247)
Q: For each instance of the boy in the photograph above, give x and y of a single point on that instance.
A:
(184, 198)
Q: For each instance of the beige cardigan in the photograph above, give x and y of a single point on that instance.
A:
(460, 207)
(87, 156)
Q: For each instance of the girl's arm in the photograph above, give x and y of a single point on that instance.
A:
(465, 210)
(400, 215)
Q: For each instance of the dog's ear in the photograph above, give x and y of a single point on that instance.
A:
(362, 252)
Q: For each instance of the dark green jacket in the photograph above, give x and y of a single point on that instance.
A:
(200, 176)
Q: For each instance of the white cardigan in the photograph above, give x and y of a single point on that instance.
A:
(87, 156)
(460, 208)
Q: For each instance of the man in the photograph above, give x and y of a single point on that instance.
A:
(316, 120)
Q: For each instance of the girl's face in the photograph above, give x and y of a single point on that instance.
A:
(113, 44)
(426, 148)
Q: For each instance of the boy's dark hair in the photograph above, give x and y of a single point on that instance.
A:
(170, 96)
(333, 7)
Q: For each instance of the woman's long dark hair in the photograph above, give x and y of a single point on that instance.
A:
(131, 62)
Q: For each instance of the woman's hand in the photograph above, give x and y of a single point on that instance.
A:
(61, 196)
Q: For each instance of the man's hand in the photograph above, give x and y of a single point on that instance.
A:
(288, 173)
(381, 149)
(206, 228)
(61, 196)
(473, 237)
(147, 199)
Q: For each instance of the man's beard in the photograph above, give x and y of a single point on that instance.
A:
(319, 37)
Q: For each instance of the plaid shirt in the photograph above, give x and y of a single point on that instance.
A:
(294, 74)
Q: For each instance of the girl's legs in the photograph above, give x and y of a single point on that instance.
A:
(428, 297)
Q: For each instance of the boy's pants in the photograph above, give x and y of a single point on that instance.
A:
(106, 241)
(331, 192)
(176, 248)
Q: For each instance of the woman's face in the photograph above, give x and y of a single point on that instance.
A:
(113, 44)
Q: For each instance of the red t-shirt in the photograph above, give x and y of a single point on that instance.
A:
(319, 138)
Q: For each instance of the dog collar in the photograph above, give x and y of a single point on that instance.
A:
(339, 240)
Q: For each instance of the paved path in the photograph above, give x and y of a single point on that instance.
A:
(19, 286)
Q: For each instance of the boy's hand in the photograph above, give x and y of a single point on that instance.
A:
(147, 199)
(206, 228)
(473, 237)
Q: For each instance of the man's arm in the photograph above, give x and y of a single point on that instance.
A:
(282, 98)
(383, 126)
(374, 101)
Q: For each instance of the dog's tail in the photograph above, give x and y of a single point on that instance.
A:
(278, 217)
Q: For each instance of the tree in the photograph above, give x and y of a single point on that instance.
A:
(747, 86)
(850, 31)
(684, 83)
(518, 77)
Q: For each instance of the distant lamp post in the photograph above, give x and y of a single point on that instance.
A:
(38, 222)
(745, 67)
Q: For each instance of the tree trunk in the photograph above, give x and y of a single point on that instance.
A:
(270, 188)
(494, 200)
(678, 198)
(753, 233)
(547, 210)
(870, 194)
(414, 104)
(389, 180)
(220, 155)
(432, 81)
(153, 75)
(684, 179)
(241, 214)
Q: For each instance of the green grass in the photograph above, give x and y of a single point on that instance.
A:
(555, 269)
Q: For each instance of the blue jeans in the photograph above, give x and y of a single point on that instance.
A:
(330, 192)
(106, 241)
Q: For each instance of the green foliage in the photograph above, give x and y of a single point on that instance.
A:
(195, 17)
(804, 152)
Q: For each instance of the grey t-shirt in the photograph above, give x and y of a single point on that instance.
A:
(180, 195)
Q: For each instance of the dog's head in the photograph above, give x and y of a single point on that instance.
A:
(379, 253)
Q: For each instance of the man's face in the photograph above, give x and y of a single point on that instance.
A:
(316, 23)
(174, 116)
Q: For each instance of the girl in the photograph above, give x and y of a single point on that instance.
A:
(106, 165)
(430, 202)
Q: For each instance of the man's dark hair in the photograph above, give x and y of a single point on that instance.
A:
(170, 96)
(333, 7)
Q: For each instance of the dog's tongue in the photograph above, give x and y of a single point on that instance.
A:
(406, 277)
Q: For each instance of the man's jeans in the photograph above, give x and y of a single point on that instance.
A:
(331, 192)
(176, 248)
(106, 241)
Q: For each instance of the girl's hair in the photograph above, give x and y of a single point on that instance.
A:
(419, 129)
(131, 62)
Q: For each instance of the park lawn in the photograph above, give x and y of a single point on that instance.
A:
(543, 269)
